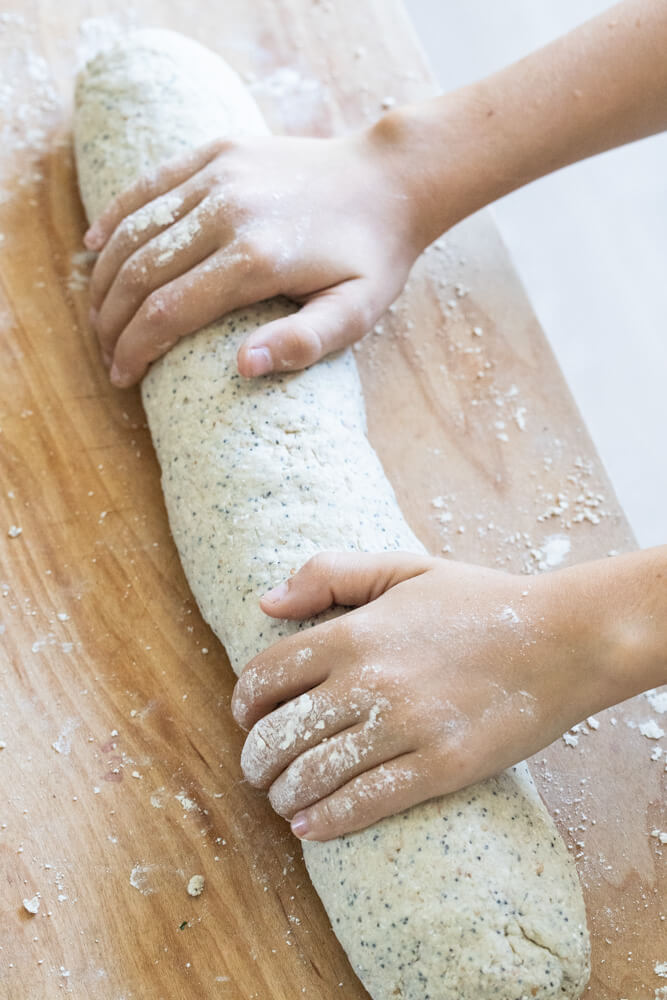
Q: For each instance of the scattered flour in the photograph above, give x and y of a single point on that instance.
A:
(196, 885)
(79, 270)
(508, 614)
(657, 700)
(555, 548)
(139, 877)
(96, 34)
(64, 742)
(651, 730)
(301, 99)
(188, 804)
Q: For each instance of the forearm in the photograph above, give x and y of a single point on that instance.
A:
(612, 613)
(602, 85)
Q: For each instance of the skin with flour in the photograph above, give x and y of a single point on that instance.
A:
(468, 896)
(387, 192)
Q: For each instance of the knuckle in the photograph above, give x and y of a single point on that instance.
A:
(322, 564)
(409, 723)
(212, 204)
(250, 683)
(123, 204)
(324, 814)
(346, 637)
(227, 145)
(450, 757)
(222, 182)
(220, 146)
(304, 345)
(145, 184)
(361, 315)
(330, 813)
(114, 209)
(218, 167)
(156, 310)
(376, 679)
(259, 253)
(281, 799)
(132, 275)
(254, 758)
(126, 235)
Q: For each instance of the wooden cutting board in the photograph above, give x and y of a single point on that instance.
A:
(119, 770)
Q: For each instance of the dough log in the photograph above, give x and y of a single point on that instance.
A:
(468, 897)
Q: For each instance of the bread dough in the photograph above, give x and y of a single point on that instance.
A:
(468, 897)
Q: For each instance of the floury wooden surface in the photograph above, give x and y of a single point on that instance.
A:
(120, 776)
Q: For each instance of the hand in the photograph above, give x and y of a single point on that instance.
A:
(335, 224)
(445, 674)
(326, 222)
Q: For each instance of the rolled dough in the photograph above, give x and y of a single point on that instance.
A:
(468, 897)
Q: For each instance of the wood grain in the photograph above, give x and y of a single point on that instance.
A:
(120, 775)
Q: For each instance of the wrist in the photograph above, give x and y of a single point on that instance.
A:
(413, 144)
(451, 156)
(635, 620)
(611, 615)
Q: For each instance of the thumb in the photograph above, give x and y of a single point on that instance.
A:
(346, 578)
(330, 320)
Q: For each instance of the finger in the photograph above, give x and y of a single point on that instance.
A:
(345, 578)
(389, 788)
(227, 280)
(319, 771)
(138, 229)
(287, 669)
(279, 737)
(153, 184)
(172, 253)
(330, 320)
(300, 662)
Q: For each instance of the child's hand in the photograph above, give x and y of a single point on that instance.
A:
(335, 224)
(448, 674)
(326, 222)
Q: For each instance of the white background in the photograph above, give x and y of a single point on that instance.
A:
(590, 244)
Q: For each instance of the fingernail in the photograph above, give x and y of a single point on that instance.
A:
(259, 361)
(92, 316)
(299, 825)
(276, 594)
(118, 378)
